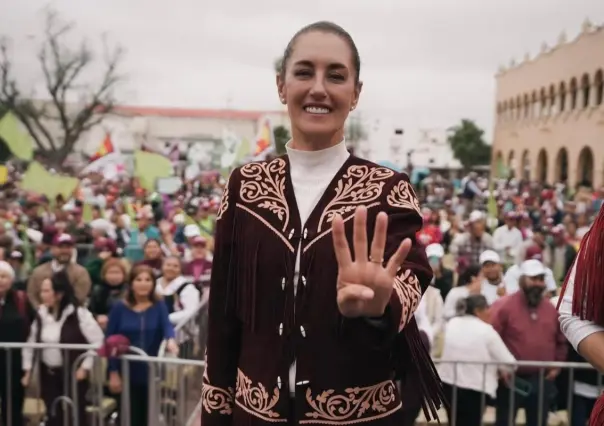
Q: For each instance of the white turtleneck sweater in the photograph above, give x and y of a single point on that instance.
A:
(311, 172)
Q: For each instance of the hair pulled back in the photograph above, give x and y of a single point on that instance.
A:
(471, 304)
(324, 27)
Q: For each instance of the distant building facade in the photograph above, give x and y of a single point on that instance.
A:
(550, 113)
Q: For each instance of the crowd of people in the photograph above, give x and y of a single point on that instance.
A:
(113, 266)
(502, 307)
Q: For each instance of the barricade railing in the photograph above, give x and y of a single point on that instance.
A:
(59, 394)
(526, 393)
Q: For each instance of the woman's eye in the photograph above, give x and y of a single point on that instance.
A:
(303, 73)
(337, 77)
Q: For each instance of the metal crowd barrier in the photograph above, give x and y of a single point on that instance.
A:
(528, 398)
(99, 405)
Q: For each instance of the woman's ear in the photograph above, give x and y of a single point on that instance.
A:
(281, 88)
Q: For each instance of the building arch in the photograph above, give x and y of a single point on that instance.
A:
(562, 96)
(499, 165)
(518, 107)
(585, 91)
(585, 167)
(511, 163)
(553, 107)
(561, 166)
(599, 87)
(525, 165)
(542, 166)
(574, 93)
(543, 107)
(526, 106)
(534, 105)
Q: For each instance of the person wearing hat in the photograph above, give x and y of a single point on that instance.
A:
(486, 284)
(560, 253)
(581, 305)
(62, 258)
(528, 324)
(508, 238)
(512, 276)
(467, 247)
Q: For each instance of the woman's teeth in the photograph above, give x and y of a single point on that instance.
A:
(316, 110)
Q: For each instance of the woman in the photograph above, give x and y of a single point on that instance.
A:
(284, 286)
(153, 256)
(61, 320)
(143, 318)
(109, 291)
(470, 338)
(581, 305)
(16, 315)
(180, 294)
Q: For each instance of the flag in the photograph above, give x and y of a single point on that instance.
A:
(16, 137)
(105, 148)
(265, 138)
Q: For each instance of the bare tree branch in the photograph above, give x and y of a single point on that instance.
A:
(62, 70)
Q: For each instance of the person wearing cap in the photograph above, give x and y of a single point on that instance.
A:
(560, 252)
(508, 238)
(528, 324)
(512, 276)
(16, 259)
(539, 240)
(581, 305)
(443, 277)
(487, 284)
(467, 247)
(62, 258)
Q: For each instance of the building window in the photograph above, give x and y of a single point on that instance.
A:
(574, 91)
(552, 101)
(544, 104)
(599, 87)
(585, 91)
(562, 97)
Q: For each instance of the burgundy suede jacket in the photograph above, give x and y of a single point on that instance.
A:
(345, 368)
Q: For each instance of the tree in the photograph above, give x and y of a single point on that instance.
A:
(64, 74)
(468, 145)
(278, 65)
(282, 136)
(355, 132)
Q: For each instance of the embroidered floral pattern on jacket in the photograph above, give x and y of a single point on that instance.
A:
(356, 405)
(403, 196)
(224, 202)
(409, 292)
(256, 400)
(215, 399)
(265, 187)
(360, 185)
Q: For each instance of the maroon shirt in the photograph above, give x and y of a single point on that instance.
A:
(531, 334)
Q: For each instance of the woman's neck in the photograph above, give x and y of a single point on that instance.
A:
(303, 142)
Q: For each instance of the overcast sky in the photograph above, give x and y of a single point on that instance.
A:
(425, 62)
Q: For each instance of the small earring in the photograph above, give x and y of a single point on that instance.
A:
(352, 108)
(282, 100)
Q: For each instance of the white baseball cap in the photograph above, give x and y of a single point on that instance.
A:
(532, 268)
(489, 256)
(435, 250)
(475, 216)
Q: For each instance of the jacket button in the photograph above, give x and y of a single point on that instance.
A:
(305, 233)
(303, 280)
(283, 283)
(291, 234)
(302, 383)
(302, 331)
(280, 329)
(279, 382)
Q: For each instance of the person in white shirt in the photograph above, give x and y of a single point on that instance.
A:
(507, 239)
(471, 342)
(484, 279)
(512, 275)
(61, 320)
(183, 300)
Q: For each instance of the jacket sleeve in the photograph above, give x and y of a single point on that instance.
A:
(224, 328)
(415, 275)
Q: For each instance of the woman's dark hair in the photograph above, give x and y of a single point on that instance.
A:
(329, 28)
(471, 304)
(468, 275)
(136, 271)
(61, 284)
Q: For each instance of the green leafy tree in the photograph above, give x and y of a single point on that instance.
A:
(282, 136)
(355, 132)
(76, 104)
(468, 144)
(277, 65)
